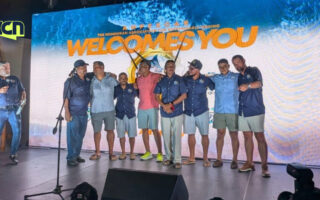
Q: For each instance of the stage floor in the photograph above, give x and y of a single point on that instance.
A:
(36, 173)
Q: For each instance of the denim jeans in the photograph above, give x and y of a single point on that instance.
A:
(15, 123)
(76, 130)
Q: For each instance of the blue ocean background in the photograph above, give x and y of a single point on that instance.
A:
(55, 28)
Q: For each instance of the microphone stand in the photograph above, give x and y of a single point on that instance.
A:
(57, 190)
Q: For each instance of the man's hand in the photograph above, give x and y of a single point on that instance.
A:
(167, 108)
(160, 77)
(243, 87)
(68, 116)
(23, 96)
(113, 75)
(4, 89)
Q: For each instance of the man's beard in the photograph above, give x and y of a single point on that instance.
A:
(3, 73)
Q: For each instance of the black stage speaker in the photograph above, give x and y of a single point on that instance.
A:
(126, 184)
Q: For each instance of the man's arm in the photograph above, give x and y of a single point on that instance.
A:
(253, 85)
(67, 115)
(4, 89)
(257, 83)
(166, 107)
(180, 99)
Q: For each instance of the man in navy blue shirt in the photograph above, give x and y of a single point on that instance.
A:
(77, 96)
(173, 91)
(251, 113)
(196, 110)
(12, 93)
(125, 114)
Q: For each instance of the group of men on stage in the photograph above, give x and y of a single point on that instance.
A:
(183, 103)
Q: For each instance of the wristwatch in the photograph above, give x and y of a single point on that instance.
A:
(249, 86)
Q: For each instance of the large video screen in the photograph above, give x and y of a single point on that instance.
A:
(281, 38)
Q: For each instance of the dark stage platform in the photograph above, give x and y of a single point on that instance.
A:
(36, 172)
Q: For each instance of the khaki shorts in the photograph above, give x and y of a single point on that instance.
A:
(253, 123)
(222, 121)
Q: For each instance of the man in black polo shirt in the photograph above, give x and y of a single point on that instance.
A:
(251, 113)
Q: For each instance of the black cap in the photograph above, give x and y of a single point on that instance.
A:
(196, 64)
(79, 63)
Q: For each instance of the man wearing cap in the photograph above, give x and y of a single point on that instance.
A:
(196, 110)
(226, 110)
(251, 113)
(148, 109)
(12, 93)
(102, 108)
(173, 91)
(77, 96)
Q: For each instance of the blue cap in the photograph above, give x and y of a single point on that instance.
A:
(196, 63)
(79, 63)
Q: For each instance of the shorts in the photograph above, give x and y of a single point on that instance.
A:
(148, 119)
(126, 125)
(200, 121)
(98, 118)
(222, 121)
(253, 123)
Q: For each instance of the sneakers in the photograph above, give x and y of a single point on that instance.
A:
(80, 160)
(217, 163)
(159, 157)
(247, 167)
(234, 165)
(13, 159)
(72, 163)
(147, 156)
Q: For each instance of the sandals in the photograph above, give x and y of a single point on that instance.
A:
(189, 162)
(206, 163)
(122, 157)
(95, 157)
(132, 156)
(177, 166)
(167, 162)
(265, 171)
(113, 157)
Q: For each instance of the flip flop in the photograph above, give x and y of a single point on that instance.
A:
(95, 157)
(113, 157)
(189, 162)
(122, 157)
(206, 163)
(132, 156)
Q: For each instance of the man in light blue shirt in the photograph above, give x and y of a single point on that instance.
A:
(225, 110)
(102, 108)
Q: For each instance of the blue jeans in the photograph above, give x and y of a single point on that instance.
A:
(76, 130)
(15, 123)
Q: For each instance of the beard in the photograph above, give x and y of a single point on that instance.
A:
(4, 73)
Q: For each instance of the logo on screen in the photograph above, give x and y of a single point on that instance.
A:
(12, 29)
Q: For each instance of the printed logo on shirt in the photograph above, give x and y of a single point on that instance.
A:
(201, 81)
(87, 79)
(175, 82)
(10, 81)
(130, 90)
(248, 76)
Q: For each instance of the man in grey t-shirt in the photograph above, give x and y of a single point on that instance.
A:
(102, 108)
